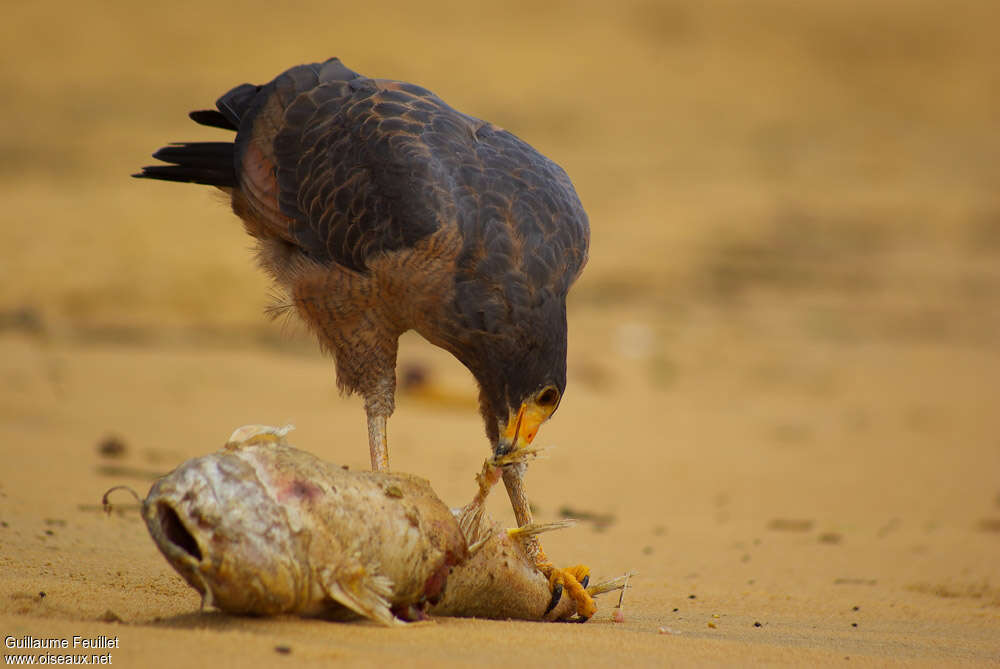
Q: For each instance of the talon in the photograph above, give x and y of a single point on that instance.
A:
(572, 581)
(557, 591)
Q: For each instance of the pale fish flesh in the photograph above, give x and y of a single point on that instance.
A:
(260, 527)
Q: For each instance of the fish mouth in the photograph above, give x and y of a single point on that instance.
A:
(174, 531)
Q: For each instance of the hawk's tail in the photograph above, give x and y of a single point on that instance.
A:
(208, 163)
(218, 163)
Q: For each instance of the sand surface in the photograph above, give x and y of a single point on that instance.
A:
(784, 353)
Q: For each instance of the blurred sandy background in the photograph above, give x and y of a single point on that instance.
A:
(783, 354)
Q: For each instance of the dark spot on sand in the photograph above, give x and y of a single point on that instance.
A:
(283, 650)
(109, 616)
(112, 447)
(989, 525)
(413, 377)
(120, 471)
(600, 521)
(22, 319)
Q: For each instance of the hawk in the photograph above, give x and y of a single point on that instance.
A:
(377, 208)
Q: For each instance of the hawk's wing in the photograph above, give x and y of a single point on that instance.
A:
(340, 165)
(345, 167)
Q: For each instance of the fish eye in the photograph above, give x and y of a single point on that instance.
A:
(548, 397)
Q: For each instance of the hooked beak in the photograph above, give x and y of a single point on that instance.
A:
(521, 428)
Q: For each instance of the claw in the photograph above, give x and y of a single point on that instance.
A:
(557, 591)
(572, 580)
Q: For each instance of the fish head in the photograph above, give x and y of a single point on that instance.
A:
(219, 527)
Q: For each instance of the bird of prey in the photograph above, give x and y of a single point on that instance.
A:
(377, 209)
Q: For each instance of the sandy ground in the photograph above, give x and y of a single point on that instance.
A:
(783, 355)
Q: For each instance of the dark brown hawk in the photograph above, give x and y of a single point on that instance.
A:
(380, 209)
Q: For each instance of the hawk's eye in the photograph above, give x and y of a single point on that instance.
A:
(548, 397)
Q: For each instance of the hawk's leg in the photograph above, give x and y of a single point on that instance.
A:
(379, 403)
(572, 580)
(343, 310)
(377, 443)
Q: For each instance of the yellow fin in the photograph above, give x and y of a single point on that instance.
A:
(361, 590)
(610, 585)
(534, 529)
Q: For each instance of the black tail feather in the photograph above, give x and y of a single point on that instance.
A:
(212, 118)
(208, 163)
(197, 154)
(189, 175)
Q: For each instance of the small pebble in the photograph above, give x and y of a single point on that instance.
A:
(712, 625)
(756, 624)
(110, 616)
(112, 447)
(41, 595)
(618, 615)
(667, 630)
(856, 608)
(691, 597)
(283, 650)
